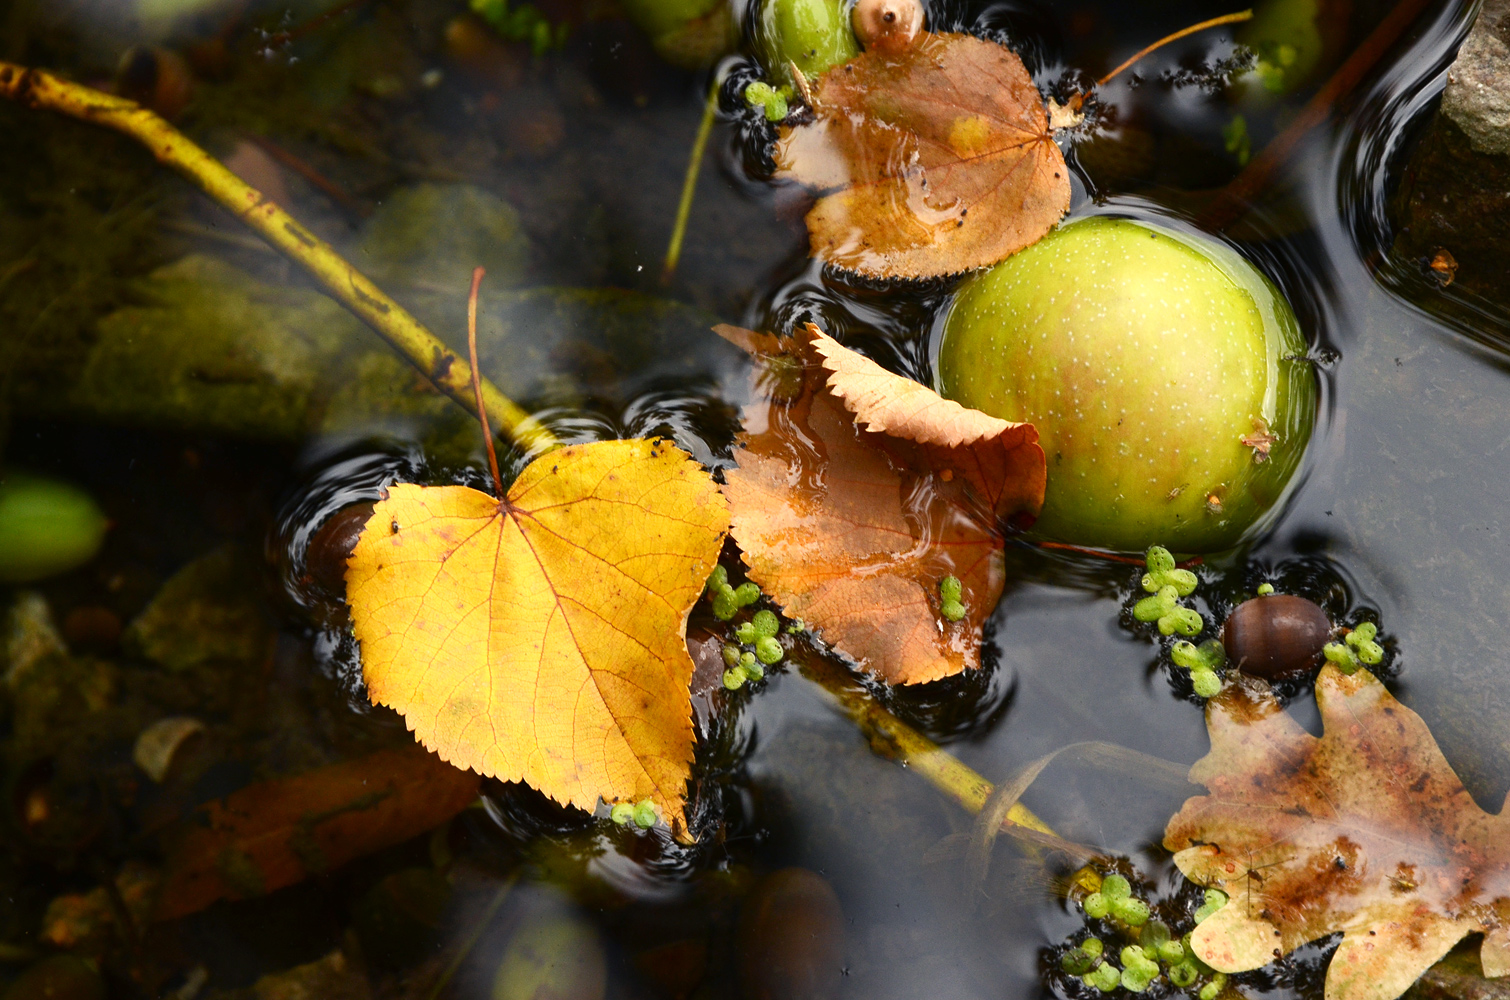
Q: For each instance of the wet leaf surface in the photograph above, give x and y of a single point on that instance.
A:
(1366, 830)
(541, 639)
(859, 491)
(934, 160)
(276, 833)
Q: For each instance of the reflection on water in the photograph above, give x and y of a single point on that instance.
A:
(1398, 520)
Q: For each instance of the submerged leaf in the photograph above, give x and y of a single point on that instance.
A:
(540, 639)
(934, 160)
(1366, 830)
(276, 833)
(859, 493)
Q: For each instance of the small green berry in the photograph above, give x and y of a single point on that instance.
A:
(1365, 632)
(1206, 683)
(1183, 975)
(1171, 952)
(746, 593)
(746, 661)
(1151, 609)
(768, 650)
(1135, 980)
(622, 812)
(1209, 655)
(646, 814)
(1096, 905)
(776, 109)
(950, 588)
(731, 655)
(734, 679)
(1213, 989)
(1076, 962)
(1341, 655)
(758, 93)
(718, 579)
(1105, 977)
(1132, 956)
(1092, 947)
(1265, 589)
(1361, 641)
(1159, 560)
(725, 604)
(1116, 887)
(1155, 933)
(765, 623)
(745, 633)
(752, 670)
(1133, 912)
(1181, 620)
(952, 610)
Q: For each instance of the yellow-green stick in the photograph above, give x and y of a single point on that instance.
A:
(446, 370)
(689, 184)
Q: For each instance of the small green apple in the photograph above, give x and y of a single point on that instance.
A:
(1165, 374)
(812, 34)
(47, 527)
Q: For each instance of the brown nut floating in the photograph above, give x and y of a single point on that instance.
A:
(887, 26)
(1276, 637)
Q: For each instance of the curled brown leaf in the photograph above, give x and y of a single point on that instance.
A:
(859, 491)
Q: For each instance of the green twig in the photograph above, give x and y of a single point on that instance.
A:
(689, 184)
(344, 283)
(893, 738)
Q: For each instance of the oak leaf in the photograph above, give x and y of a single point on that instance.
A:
(934, 160)
(1365, 830)
(540, 638)
(276, 833)
(858, 491)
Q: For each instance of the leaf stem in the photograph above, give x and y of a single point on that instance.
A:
(471, 942)
(1241, 15)
(482, 410)
(342, 282)
(689, 184)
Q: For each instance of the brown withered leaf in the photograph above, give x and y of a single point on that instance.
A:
(1366, 830)
(857, 491)
(934, 160)
(275, 833)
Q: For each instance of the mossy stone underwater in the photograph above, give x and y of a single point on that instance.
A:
(1166, 375)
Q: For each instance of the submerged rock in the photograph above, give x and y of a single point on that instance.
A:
(205, 614)
(1452, 196)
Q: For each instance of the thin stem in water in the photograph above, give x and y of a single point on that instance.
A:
(482, 409)
(689, 184)
(1242, 15)
(344, 283)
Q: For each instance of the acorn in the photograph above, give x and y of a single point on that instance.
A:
(1276, 637)
(887, 26)
(332, 544)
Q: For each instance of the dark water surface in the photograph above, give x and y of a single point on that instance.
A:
(1399, 514)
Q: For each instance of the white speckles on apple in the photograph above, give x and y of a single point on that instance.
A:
(1177, 339)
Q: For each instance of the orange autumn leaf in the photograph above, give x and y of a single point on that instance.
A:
(931, 161)
(540, 639)
(276, 833)
(1365, 830)
(857, 491)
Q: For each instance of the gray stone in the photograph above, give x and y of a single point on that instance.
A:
(1477, 96)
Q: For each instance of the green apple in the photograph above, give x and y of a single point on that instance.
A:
(47, 527)
(1165, 374)
(812, 34)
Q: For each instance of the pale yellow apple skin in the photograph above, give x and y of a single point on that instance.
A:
(1144, 357)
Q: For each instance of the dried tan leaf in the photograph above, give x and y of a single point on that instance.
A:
(936, 159)
(858, 491)
(1366, 830)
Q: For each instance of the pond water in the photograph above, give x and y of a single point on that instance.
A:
(264, 408)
